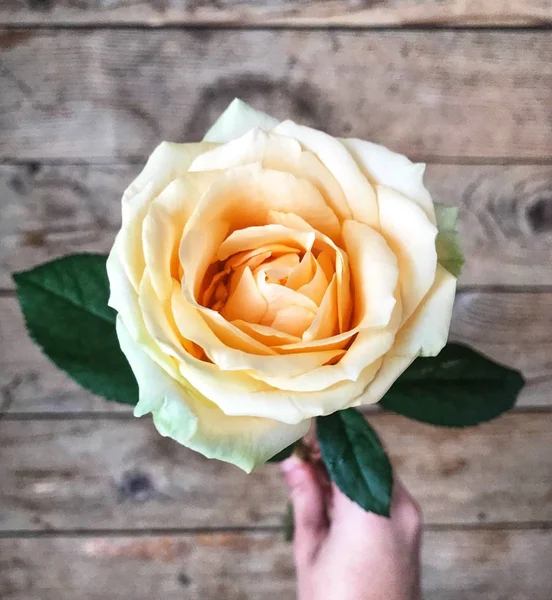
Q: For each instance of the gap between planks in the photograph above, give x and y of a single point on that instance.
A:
(230, 26)
(289, 14)
(189, 531)
(124, 415)
(140, 161)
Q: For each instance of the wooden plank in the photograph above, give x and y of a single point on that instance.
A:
(115, 93)
(328, 13)
(51, 210)
(36, 199)
(513, 328)
(119, 473)
(456, 565)
(504, 222)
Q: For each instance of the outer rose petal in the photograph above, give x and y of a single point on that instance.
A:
(426, 331)
(385, 167)
(425, 334)
(168, 162)
(161, 232)
(236, 120)
(392, 367)
(411, 236)
(181, 413)
(123, 297)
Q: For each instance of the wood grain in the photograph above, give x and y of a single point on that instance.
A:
(505, 223)
(456, 565)
(327, 13)
(100, 94)
(512, 328)
(89, 474)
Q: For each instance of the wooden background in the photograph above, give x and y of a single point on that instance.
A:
(94, 504)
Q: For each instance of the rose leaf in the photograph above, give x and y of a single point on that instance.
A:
(448, 247)
(356, 460)
(457, 388)
(64, 303)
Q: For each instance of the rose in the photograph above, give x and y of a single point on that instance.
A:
(271, 274)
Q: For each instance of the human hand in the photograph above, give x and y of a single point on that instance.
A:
(345, 553)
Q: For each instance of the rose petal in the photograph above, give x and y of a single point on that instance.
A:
(162, 229)
(254, 146)
(160, 325)
(326, 323)
(368, 348)
(325, 261)
(344, 294)
(208, 296)
(245, 196)
(168, 162)
(279, 268)
(265, 335)
(375, 274)
(303, 273)
(391, 368)
(246, 301)
(233, 350)
(335, 342)
(254, 258)
(279, 297)
(278, 153)
(123, 296)
(426, 331)
(254, 237)
(358, 192)
(411, 236)
(385, 167)
(293, 320)
(316, 288)
(183, 414)
(238, 118)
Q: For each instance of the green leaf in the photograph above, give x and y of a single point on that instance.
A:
(457, 388)
(447, 243)
(356, 460)
(283, 454)
(65, 307)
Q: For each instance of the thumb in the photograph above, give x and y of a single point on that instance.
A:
(309, 509)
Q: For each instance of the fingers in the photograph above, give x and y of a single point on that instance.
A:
(309, 507)
(407, 512)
